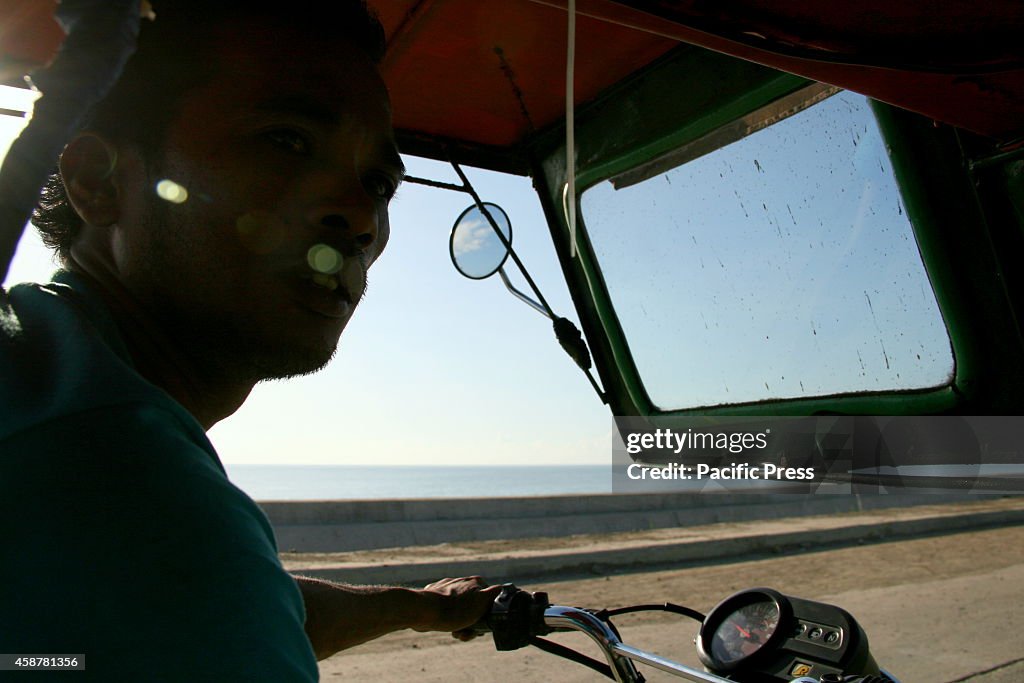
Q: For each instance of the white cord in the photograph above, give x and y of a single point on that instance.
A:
(569, 193)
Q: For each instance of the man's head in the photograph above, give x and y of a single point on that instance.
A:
(235, 183)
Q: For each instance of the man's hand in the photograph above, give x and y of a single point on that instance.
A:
(457, 604)
(339, 616)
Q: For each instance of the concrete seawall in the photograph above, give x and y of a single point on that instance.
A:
(338, 526)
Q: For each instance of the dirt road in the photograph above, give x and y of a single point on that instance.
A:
(936, 609)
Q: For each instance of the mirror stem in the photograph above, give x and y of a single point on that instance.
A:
(522, 297)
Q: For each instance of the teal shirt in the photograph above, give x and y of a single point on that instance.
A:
(121, 537)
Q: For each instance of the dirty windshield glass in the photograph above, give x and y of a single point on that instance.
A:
(780, 266)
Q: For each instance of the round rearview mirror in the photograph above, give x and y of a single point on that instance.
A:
(475, 248)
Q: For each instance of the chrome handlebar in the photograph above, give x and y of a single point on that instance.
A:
(619, 655)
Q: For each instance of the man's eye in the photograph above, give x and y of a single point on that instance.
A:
(380, 186)
(289, 140)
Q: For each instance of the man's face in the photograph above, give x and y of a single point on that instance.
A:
(288, 161)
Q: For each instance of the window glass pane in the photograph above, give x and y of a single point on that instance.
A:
(780, 266)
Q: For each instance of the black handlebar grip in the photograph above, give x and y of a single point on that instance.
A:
(500, 604)
(515, 617)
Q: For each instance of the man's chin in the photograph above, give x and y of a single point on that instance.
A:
(248, 349)
(292, 363)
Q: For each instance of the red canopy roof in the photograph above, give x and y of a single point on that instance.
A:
(490, 72)
(487, 72)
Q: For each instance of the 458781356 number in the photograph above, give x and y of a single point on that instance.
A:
(41, 662)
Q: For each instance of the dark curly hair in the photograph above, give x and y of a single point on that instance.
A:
(173, 57)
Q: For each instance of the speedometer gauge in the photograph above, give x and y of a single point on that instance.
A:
(763, 635)
(745, 631)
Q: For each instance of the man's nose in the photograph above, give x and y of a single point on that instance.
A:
(355, 227)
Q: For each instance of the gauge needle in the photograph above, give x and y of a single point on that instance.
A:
(745, 632)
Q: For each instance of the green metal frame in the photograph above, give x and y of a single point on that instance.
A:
(635, 122)
(954, 235)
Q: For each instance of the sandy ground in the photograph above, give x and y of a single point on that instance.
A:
(379, 561)
(936, 609)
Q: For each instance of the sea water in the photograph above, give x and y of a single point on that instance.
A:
(355, 482)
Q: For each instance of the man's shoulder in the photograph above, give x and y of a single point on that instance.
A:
(61, 353)
(79, 423)
(124, 461)
(158, 553)
(55, 313)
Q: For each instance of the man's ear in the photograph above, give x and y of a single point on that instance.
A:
(87, 169)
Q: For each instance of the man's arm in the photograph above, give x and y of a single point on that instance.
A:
(340, 616)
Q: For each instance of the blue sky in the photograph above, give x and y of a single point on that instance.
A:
(780, 266)
(434, 368)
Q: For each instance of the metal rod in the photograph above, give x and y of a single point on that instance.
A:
(979, 164)
(664, 664)
(522, 297)
(434, 183)
(573, 619)
(406, 32)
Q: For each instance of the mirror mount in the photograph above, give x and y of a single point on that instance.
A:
(523, 297)
(506, 241)
(502, 229)
(479, 246)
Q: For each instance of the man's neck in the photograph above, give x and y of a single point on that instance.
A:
(208, 395)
